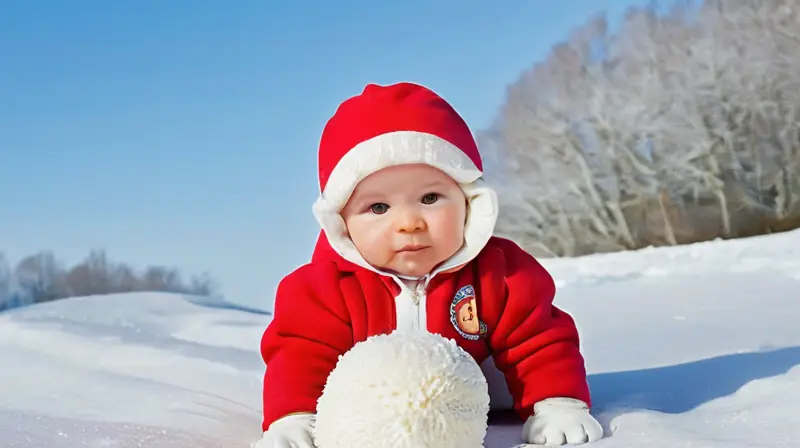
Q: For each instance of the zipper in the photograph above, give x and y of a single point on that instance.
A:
(415, 298)
(414, 305)
(419, 298)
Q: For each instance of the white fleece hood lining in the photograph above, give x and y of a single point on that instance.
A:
(399, 148)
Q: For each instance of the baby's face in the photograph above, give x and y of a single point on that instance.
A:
(406, 219)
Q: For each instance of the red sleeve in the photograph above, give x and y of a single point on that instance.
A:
(302, 344)
(534, 343)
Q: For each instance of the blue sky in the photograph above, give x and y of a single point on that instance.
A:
(184, 133)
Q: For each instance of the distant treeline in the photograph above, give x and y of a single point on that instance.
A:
(41, 277)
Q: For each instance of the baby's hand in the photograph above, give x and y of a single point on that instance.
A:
(292, 431)
(558, 421)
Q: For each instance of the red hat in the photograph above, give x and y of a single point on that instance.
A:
(393, 125)
(398, 124)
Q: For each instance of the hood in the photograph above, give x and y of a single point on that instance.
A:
(334, 244)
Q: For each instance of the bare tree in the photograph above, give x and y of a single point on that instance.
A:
(92, 276)
(125, 279)
(41, 277)
(203, 285)
(681, 127)
(160, 278)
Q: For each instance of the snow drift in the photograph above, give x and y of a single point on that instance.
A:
(695, 345)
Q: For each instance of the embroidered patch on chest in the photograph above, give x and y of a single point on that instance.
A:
(464, 314)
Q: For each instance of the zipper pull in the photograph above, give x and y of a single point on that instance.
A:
(415, 297)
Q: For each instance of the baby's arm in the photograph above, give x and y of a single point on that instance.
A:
(301, 346)
(536, 345)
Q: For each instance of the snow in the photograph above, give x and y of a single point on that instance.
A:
(691, 346)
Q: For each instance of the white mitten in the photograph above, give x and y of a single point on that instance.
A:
(292, 431)
(558, 421)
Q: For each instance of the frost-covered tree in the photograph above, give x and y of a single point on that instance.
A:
(680, 127)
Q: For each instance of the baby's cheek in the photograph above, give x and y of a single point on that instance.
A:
(376, 249)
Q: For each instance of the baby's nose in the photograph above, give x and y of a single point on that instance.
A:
(410, 222)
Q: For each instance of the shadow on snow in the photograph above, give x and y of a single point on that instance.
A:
(677, 388)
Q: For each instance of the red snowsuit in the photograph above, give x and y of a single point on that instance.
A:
(499, 305)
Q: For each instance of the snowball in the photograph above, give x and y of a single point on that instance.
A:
(404, 390)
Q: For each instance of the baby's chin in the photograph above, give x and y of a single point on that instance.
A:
(413, 265)
(411, 268)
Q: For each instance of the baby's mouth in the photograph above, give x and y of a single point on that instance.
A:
(412, 248)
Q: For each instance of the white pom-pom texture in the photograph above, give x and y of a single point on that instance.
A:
(404, 390)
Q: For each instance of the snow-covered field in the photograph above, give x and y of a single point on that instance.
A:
(695, 346)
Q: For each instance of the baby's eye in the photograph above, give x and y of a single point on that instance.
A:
(379, 208)
(430, 198)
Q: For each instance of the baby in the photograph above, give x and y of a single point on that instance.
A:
(407, 245)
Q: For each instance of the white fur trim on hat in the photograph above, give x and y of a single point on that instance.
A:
(398, 148)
